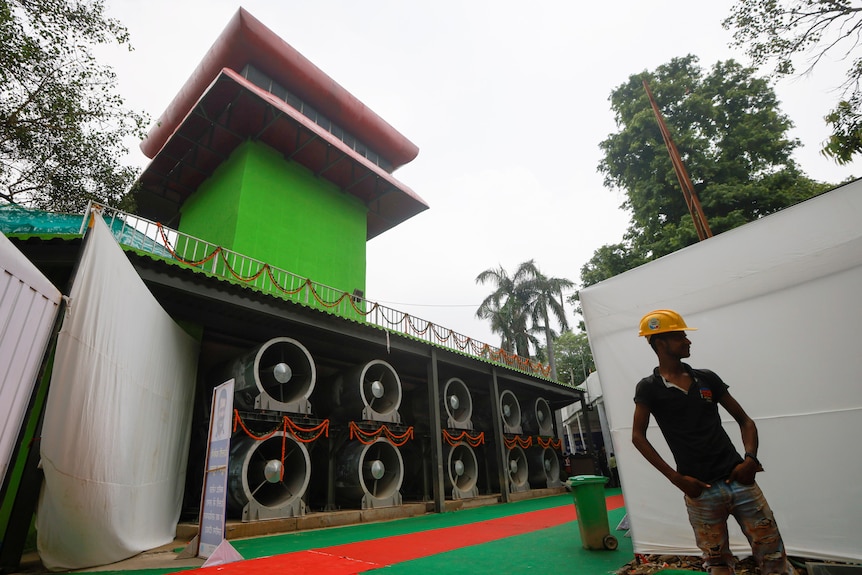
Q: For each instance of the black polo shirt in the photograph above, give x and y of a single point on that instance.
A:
(691, 424)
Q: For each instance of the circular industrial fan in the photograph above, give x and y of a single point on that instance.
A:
(510, 409)
(544, 417)
(381, 389)
(458, 403)
(257, 473)
(462, 469)
(382, 469)
(285, 370)
(544, 466)
(517, 468)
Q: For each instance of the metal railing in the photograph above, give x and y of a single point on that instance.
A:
(152, 237)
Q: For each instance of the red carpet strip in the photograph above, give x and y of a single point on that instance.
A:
(377, 553)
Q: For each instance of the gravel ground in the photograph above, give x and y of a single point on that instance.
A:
(648, 564)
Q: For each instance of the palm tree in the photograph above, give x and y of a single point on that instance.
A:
(506, 307)
(544, 301)
(501, 322)
(526, 295)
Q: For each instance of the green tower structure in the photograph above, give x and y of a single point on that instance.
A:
(258, 204)
(263, 154)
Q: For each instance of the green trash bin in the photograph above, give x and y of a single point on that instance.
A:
(588, 491)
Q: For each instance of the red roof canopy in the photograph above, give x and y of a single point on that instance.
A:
(245, 40)
(218, 109)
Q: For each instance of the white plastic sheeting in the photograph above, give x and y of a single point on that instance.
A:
(118, 417)
(777, 304)
(28, 307)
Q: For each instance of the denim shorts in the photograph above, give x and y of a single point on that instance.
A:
(708, 514)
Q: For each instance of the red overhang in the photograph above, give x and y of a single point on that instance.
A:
(245, 40)
(231, 111)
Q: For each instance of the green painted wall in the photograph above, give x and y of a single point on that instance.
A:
(260, 205)
(211, 213)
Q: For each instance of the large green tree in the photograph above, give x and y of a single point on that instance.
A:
(62, 123)
(733, 140)
(608, 261)
(784, 32)
(574, 357)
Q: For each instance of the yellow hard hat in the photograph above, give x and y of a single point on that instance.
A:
(662, 321)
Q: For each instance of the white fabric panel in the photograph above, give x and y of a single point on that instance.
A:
(777, 306)
(593, 386)
(117, 420)
(28, 306)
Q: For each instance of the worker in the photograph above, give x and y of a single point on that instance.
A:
(716, 480)
(615, 474)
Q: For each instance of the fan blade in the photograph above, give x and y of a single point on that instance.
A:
(287, 489)
(256, 489)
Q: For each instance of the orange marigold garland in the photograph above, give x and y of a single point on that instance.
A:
(518, 440)
(178, 257)
(472, 440)
(287, 425)
(367, 438)
(546, 443)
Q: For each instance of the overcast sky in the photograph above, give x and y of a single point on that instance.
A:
(507, 102)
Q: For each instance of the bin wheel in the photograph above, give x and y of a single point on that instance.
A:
(610, 542)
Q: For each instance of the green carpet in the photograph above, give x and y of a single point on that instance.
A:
(552, 550)
(556, 550)
(315, 539)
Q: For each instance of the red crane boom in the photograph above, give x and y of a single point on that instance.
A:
(694, 207)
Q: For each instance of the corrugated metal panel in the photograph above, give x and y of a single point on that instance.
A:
(28, 306)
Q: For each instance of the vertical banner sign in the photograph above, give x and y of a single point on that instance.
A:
(214, 495)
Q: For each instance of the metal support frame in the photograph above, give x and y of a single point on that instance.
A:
(436, 434)
(694, 207)
(497, 422)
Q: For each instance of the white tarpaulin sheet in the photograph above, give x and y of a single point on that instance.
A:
(777, 304)
(28, 307)
(118, 416)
